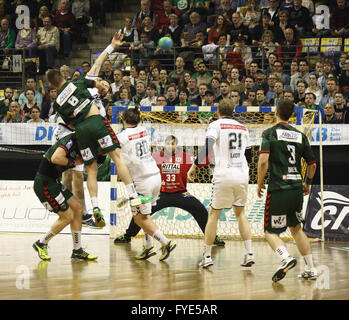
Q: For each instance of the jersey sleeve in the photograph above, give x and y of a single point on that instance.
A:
(308, 154)
(122, 138)
(66, 143)
(212, 132)
(265, 145)
(91, 77)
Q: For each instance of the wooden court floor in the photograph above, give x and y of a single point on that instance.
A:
(117, 275)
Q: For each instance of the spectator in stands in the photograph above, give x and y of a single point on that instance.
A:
(145, 49)
(252, 70)
(134, 74)
(251, 15)
(237, 29)
(226, 9)
(289, 95)
(260, 30)
(177, 74)
(203, 87)
(300, 18)
(278, 93)
(107, 73)
(7, 36)
(143, 76)
(161, 101)
(163, 83)
(225, 91)
(273, 10)
(329, 94)
(30, 84)
(47, 109)
(245, 51)
(260, 98)
(185, 80)
(330, 115)
(344, 78)
(235, 83)
(172, 98)
(81, 12)
(249, 84)
(26, 41)
(339, 19)
(191, 29)
(148, 28)
(174, 30)
(278, 68)
(314, 88)
(14, 114)
(48, 42)
(215, 86)
(35, 115)
(341, 110)
(251, 97)
(300, 92)
(303, 73)
(209, 98)
(5, 103)
(289, 49)
(193, 89)
(116, 84)
(310, 104)
(65, 72)
(235, 97)
(43, 12)
(261, 82)
(129, 32)
(272, 79)
(183, 95)
(140, 93)
(163, 16)
(76, 75)
(283, 23)
(150, 98)
(220, 27)
(126, 83)
(64, 20)
(124, 98)
(144, 12)
(4, 12)
(26, 107)
(98, 11)
(204, 76)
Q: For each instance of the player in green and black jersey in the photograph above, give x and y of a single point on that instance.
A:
(64, 154)
(282, 150)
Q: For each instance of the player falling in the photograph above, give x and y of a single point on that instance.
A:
(282, 150)
(63, 155)
(135, 148)
(228, 141)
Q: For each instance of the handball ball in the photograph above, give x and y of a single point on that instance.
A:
(165, 43)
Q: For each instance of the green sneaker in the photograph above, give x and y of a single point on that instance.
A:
(146, 253)
(140, 200)
(218, 241)
(41, 249)
(166, 250)
(122, 239)
(99, 219)
(82, 255)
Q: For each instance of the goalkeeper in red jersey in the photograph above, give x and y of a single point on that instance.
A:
(173, 167)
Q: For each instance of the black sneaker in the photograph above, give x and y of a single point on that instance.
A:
(122, 239)
(219, 242)
(82, 255)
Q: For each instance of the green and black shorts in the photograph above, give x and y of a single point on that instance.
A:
(52, 194)
(283, 208)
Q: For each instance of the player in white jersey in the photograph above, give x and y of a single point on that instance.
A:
(136, 154)
(228, 141)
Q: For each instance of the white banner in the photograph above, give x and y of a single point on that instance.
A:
(41, 134)
(21, 210)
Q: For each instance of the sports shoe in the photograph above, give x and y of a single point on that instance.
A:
(248, 260)
(206, 261)
(140, 200)
(41, 249)
(122, 239)
(166, 250)
(82, 255)
(219, 242)
(90, 224)
(86, 217)
(99, 219)
(309, 274)
(146, 253)
(286, 265)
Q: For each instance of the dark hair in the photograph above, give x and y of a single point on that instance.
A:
(285, 109)
(54, 77)
(34, 107)
(311, 93)
(132, 116)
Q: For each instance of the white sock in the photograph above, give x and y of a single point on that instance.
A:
(47, 237)
(248, 246)
(208, 250)
(132, 190)
(148, 241)
(94, 202)
(309, 261)
(282, 252)
(76, 239)
(158, 235)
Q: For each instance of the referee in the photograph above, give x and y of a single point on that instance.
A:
(173, 167)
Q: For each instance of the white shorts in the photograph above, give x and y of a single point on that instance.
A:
(149, 187)
(226, 194)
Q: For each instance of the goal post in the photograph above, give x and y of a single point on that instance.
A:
(188, 124)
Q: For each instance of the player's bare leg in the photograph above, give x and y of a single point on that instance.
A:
(287, 261)
(150, 228)
(303, 245)
(210, 235)
(245, 232)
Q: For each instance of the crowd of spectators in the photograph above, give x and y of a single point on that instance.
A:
(260, 58)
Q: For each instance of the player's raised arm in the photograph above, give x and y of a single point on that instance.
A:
(115, 43)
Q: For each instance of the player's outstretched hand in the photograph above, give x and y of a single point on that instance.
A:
(117, 40)
(260, 190)
(306, 189)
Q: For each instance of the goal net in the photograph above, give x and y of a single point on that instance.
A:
(188, 125)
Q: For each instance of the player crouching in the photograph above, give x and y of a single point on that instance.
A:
(135, 151)
(63, 155)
